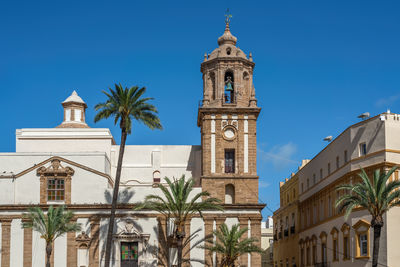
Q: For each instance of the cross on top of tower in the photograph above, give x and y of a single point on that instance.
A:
(228, 17)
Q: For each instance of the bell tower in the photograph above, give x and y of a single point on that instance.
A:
(227, 117)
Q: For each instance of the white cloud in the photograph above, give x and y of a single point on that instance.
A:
(280, 155)
(387, 101)
(262, 184)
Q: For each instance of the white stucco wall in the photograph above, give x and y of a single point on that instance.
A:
(172, 161)
(16, 244)
(60, 251)
(38, 250)
(197, 253)
(64, 140)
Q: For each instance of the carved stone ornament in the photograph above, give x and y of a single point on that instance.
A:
(55, 169)
(130, 232)
(83, 240)
(233, 123)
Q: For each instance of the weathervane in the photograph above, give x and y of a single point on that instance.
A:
(228, 17)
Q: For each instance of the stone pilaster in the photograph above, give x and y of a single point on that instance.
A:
(27, 262)
(208, 230)
(72, 258)
(163, 243)
(256, 233)
(94, 244)
(186, 249)
(243, 221)
(5, 242)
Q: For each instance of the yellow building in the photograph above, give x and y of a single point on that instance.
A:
(286, 239)
(324, 237)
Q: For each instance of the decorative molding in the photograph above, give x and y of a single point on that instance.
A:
(83, 241)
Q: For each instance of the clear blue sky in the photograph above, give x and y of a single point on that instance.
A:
(319, 64)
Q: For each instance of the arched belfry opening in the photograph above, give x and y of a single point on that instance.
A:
(229, 92)
(229, 194)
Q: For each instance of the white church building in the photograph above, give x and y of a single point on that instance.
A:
(75, 165)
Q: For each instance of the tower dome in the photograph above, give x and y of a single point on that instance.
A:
(74, 112)
(227, 37)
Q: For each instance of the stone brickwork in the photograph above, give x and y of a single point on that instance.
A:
(94, 250)
(5, 242)
(27, 247)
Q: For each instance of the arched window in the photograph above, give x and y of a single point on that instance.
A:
(229, 87)
(229, 194)
(156, 177)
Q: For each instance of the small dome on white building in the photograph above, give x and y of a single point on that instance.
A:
(74, 112)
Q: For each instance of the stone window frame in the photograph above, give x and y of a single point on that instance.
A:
(314, 242)
(308, 251)
(346, 234)
(335, 249)
(324, 237)
(362, 227)
(301, 245)
(55, 171)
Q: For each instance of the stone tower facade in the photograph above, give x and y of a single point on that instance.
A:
(228, 118)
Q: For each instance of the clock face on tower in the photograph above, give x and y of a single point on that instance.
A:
(229, 133)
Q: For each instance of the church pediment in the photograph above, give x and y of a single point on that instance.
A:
(56, 166)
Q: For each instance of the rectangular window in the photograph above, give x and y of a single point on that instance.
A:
(329, 168)
(308, 183)
(314, 256)
(363, 245)
(321, 211)
(78, 115)
(329, 207)
(345, 156)
(315, 214)
(55, 189)
(302, 188)
(67, 114)
(363, 149)
(335, 250)
(314, 179)
(337, 162)
(346, 252)
(323, 253)
(321, 174)
(229, 161)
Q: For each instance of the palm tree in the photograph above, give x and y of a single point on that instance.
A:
(124, 105)
(55, 223)
(376, 197)
(230, 244)
(175, 204)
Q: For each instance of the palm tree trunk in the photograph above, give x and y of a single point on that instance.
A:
(180, 242)
(49, 249)
(115, 197)
(377, 236)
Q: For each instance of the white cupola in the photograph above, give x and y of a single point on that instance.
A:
(74, 112)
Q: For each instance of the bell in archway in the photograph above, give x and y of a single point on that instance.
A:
(228, 85)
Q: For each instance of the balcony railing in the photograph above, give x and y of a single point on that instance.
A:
(292, 229)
